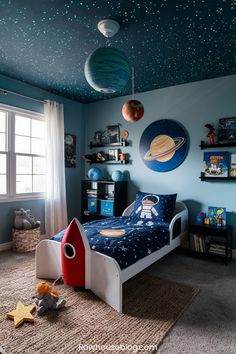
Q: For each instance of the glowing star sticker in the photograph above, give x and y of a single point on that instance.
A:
(22, 313)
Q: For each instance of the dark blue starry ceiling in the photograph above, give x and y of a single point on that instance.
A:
(168, 42)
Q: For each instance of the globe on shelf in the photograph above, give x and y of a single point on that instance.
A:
(132, 111)
(117, 176)
(107, 70)
(94, 174)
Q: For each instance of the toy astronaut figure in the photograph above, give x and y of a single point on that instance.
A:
(147, 208)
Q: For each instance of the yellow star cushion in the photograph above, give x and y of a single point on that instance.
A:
(21, 314)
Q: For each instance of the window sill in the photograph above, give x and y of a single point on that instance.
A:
(22, 198)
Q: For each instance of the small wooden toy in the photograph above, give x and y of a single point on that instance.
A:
(22, 313)
(211, 134)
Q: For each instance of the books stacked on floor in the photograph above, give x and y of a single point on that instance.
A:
(216, 248)
(197, 243)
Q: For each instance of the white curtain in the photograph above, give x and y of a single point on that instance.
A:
(55, 204)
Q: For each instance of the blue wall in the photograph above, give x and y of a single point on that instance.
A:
(193, 105)
(74, 124)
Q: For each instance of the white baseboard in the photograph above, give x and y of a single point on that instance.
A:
(8, 245)
(5, 246)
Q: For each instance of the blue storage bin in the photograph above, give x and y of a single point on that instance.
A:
(92, 205)
(107, 207)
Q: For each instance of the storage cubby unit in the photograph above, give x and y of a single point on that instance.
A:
(102, 199)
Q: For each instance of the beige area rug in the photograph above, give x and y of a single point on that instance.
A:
(86, 324)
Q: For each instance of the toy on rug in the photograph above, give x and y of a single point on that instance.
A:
(22, 313)
(24, 220)
(47, 298)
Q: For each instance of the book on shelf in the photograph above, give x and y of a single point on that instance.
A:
(216, 164)
(91, 193)
(197, 243)
(232, 170)
(217, 216)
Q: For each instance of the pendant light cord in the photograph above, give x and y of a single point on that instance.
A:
(132, 83)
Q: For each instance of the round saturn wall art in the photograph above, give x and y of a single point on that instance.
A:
(164, 145)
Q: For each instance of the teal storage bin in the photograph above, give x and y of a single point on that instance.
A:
(107, 207)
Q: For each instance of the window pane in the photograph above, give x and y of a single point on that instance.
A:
(23, 165)
(3, 184)
(38, 146)
(22, 144)
(2, 142)
(22, 125)
(38, 184)
(2, 122)
(23, 183)
(38, 128)
(3, 161)
(39, 165)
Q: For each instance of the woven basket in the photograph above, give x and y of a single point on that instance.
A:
(25, 240)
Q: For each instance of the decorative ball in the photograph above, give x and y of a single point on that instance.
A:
(117, 176)
(94, 174)
(132, 111)
(107, 70)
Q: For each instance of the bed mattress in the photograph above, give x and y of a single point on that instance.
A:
(122, 239)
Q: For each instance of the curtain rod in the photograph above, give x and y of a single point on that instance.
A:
(6, 92)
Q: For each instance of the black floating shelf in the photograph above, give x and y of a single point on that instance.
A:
(121, 143)
(112, 162)
(203, 145)
(204, 178)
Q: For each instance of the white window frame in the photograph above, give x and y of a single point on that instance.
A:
(11, 195)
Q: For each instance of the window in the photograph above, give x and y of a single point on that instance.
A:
(22, 154)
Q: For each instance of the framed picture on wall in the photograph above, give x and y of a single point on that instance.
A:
(113, 134)
(70, 150)
(113, 154)
(227, 130)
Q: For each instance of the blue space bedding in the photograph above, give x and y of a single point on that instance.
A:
(138, 240)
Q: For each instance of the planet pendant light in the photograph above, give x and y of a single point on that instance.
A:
(107, 69)
(132, 110)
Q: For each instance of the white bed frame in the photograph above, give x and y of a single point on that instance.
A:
(103, 274)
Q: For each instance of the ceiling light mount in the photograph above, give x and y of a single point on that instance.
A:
(108, 27)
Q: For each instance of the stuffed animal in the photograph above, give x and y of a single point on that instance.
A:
(25, 220)
(20, 221)
(31, 219)
(47, 298)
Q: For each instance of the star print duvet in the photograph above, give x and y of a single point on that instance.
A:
(134, 240)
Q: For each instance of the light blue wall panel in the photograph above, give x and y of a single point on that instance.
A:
(193, 105)
(74, 124)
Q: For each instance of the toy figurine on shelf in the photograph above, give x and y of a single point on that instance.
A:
(211, 134)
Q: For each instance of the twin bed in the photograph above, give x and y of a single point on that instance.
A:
(118, 248)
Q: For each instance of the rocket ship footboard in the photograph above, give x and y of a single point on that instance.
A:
(75, 256)
(80, 267)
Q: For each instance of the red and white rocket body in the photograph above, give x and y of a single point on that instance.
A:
(75, 256)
